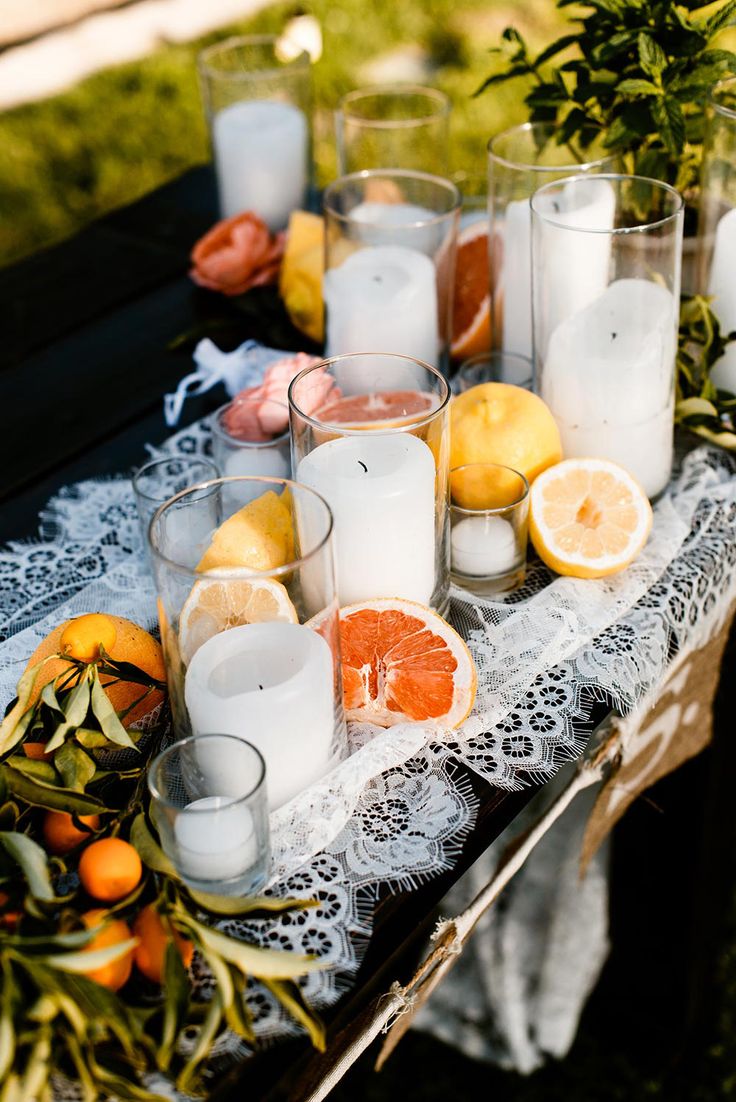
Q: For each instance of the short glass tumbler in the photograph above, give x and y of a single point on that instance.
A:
(390, 264)
(370, 433)
(493, 367)
(258, 107)
(393, 126)
(159, 479)
(210, 808)
(250, 436)
(249, 623)
(607, 253)
(489, 515)
(520, 160)
(717, 221)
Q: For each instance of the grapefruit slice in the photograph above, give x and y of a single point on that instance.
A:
(402, 663)
(228, 599)
(588, 517)
(471, 312)
(361, 409)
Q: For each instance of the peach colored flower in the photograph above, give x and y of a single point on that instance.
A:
(237, 254)
(254, 416)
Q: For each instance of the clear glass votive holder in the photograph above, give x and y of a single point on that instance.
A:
(520, 160)
(390, 264)
(249, 623)
(393, 126)
(489, 516)
(717, 221)
(210, 808)
(607, 253)
(493, 367)
(370, 433)
(258, 106)
(159, 479)
(250, 436)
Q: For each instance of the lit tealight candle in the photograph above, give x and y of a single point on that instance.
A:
(215, 839)
(484, 547)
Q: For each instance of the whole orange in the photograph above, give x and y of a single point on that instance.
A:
(110, 869)
(113, 932)
(60, 833)
(131, 644)
(154, 932)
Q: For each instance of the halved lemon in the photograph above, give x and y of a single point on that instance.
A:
(228, 599)
(588, 517)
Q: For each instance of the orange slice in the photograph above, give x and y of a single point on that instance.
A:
(471, 312)
(588, 517)
(403, 663)
(227, 599)
(361, 409)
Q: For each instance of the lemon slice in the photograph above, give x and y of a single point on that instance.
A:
(228, 599)
(259, 536)
(588, 517)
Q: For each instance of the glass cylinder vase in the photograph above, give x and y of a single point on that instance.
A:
(390, 264)
(606, 260)
(258, 108)
(393, 126)
(370, 433)
(717, 221)
(520, 160)
(248, 613)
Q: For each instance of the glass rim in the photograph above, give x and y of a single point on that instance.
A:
(273, 572)
(207, 65)
(395, 88)
(392, 173)
(220, 431)
(523, 496)
(721, 108)
(495, 354)
(617, 177)
(159, 460)
(157, 795)
(420, 421)
(523, 166)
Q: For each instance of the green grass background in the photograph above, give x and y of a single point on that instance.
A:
(122, 132)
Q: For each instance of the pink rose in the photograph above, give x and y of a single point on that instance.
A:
(253, 414)
(237, 254)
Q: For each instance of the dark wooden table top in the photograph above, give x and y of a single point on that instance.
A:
(84, 361)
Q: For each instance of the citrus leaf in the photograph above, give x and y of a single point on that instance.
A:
(233, 905)
(149, 850)
(76, 767)
(251, 960)
(73, 939)
(207, 1033)
(91, 739)
(36, 792)
(48, 697)
(32, 767)
(32, 860)
(85, 962)
(690, 407)
(293, 1002)
(11, 728)
(176, 985)
(107, 717)
(75, 709)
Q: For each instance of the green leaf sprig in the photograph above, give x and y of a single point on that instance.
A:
(701, 406)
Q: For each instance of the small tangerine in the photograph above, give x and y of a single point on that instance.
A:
(109, 869)
(83, 637)
(154, 932)
(61, 834)
(113, 932)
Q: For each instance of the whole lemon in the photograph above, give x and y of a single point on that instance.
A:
(500, 423)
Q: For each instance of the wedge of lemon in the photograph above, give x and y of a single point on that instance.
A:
(588, 517)
(228, 599)
(259, 536)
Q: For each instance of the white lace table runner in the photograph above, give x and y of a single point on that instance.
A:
(397, 810)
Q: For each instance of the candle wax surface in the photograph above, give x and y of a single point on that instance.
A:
(484, 547)
(215, 837)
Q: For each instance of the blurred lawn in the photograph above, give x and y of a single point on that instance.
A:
(118, 134)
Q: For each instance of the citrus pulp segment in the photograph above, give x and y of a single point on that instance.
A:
(471, 316)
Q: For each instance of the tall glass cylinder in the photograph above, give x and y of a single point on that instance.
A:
(370, 433)
(717, 221)
(248, 614)
(258, 107)
(606, 260)
(520, 160)
(393, 126)
(390, 264)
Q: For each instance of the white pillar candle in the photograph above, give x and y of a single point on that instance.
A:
(261, 149)
(577, 263)
(381, 492)
(484, 547)
(215, 838)
(271, 684)
(383, 298)
(608, 380)
(272, 460)
(722, 285)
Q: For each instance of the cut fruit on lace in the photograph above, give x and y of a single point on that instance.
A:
(588, 517)
(402, 663)
(228, 599)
